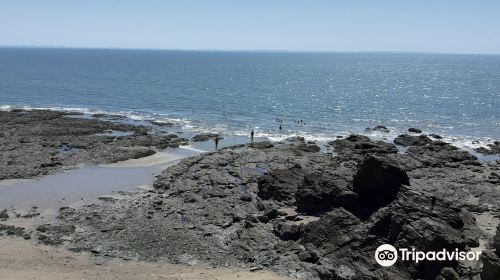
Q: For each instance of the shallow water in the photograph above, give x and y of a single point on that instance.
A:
(84, 185)
(69, 187)
(115, 133)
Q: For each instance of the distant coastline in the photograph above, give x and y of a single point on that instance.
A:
(243, 50)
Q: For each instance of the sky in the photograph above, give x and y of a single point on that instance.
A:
(445, 26)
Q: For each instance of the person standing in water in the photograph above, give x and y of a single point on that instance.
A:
(216, 141)
(280, 127)
(251, 135)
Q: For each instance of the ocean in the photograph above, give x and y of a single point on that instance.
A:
(316, 95)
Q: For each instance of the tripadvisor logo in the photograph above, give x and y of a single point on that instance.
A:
(387, 255)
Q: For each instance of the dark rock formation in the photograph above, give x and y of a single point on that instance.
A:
(204, 137)
(361, 145)
(302, 213)
(441, 154)
(409, 140)
(377, 183)
(493, 149)
(379, 128)
(316, 195)
(308, 147)
(3, 215)
(491, 265)
(414, 130)
(52, 234)
(281, 185)
(105, 116)
(448, 273)
(40, 142)
(435, 136)
(491, 259)
(162, 124)
(261, 145)
(13, 231)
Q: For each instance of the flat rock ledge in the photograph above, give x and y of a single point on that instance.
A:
(40, 142)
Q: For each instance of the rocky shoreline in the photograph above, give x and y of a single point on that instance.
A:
(281, 206)
(41, 142)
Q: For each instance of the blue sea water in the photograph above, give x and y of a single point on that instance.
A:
(457, 96)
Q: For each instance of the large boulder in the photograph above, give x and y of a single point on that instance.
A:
(359, 144)
(437, 154)
(435, 136)
(491, 149)
(410, 140)
(379, 128)
(377, 183)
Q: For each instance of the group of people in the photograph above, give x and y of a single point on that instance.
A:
(280, 121)
(252, 133)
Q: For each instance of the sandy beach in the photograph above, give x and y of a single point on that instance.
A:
(21, 260)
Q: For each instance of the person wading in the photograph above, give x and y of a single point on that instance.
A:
(216, 141)
(251, 135)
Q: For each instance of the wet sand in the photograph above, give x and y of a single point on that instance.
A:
(22, 260)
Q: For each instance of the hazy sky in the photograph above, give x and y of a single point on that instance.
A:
(457, 26)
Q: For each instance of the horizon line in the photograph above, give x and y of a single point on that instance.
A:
(240, 50)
